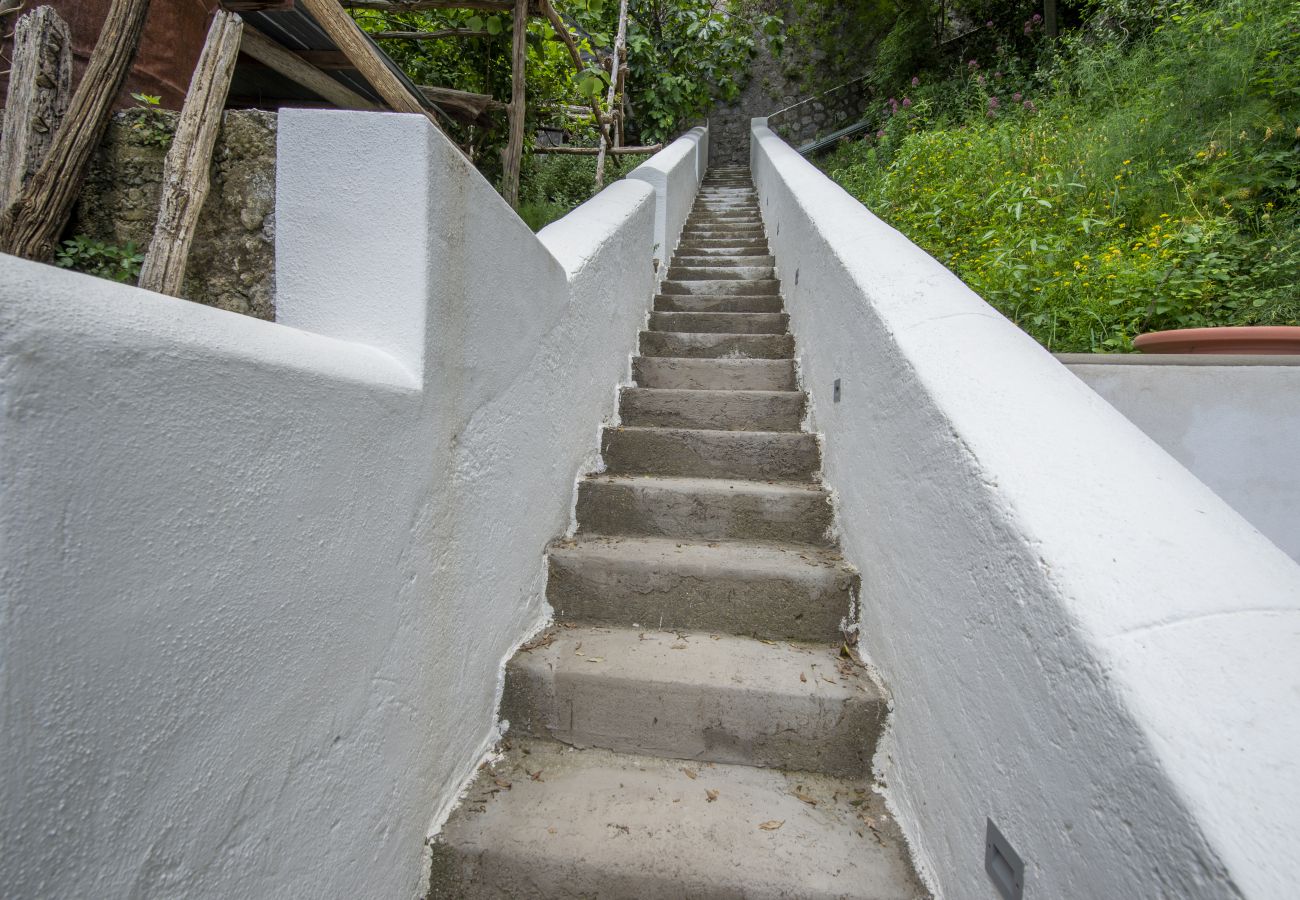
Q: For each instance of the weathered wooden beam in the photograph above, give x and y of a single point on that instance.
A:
(348, 37)
(514, 152)
(428, 35)
(266, 51)
(417, 5)
(453, 97)
(247, 6)
(615, 82)
(593, 151)
(40, 83)
(187, 171)
(32, 224)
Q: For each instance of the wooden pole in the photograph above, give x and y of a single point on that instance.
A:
(32, 224)
(428, 35)
(417, 5)
(615, 74)
(40, 83)
(514, 154)
(270, 54)
(349, 38)
(563, 31)
(188, 168)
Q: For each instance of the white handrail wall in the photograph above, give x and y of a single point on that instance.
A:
(258, 580)
(1083, 642)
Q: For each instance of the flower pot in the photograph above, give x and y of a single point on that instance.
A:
(1244, 340)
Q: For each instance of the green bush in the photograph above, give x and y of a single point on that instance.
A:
(81, 254)
(1136, 179)
(553, 184)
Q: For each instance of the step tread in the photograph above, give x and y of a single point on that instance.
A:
(689, 484)
(749, 560)
(598, 824)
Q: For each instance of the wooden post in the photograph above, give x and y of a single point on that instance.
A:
(514, 154)
(40, 84)
(615, 75)
(32, 224)
(187, 172)
(349, 38)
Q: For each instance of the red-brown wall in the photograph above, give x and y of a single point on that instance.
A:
(173, 38)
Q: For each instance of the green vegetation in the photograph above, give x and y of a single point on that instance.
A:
(552, 185)
(682, 56)
(1139, 173)
(81, 254)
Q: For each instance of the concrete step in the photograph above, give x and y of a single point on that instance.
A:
(711, 453)
(698, 697)
(738, 260)
(678, 373)
(706, 509)
(723, 248)
(768, 591)
(688, 303)
(742, 214)
(594, 824)
(720, 322)
(751, 286)
(717, 346)
(679, 272)
(715, 230)
(714, 410)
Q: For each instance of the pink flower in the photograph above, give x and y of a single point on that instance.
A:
(979, 79)
(1036, 19)
(916, 81)
(880, 134)
(973, 64)
(1015, 98)
(907, 101)
(1029, 105)
(993, 103)
(1029, 28)
(988, 24)
(997, 75)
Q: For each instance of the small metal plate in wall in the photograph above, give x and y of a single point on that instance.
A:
(835, 392)
(1005, 867)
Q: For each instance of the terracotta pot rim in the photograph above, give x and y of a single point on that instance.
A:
(1259, 339)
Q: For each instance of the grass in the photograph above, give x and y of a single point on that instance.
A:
(1115, 185)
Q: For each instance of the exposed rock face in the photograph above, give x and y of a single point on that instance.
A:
(232, 264)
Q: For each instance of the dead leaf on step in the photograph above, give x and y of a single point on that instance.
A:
(577, 651)
(769, 643)
(711, 795)
(803, 677)
(551, 830)
(679, 647)
(715, 637)
(689, 773)
(801, 794)
(535, 776)
(829, 680)
(772, 824)
(502, 783)
(595, 659)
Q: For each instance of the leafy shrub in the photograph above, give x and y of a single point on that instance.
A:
(81, 254)
(1128, 184)
(152, 125)
(554, 184)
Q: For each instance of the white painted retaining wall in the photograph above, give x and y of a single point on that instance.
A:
(1233, 422)
(1082, 641)
(258, 581)
(675, 174)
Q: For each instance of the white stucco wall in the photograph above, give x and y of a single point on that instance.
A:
(1234, 424)
(258, 580)
(1082, 641)
(675, 174)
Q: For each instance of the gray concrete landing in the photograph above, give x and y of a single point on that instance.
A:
(694, 725)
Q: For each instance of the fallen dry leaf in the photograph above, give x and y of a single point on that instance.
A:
(678, 647)
(595, 659)
(535, 776)
(712, 795)
(803, 677)
(806, 798)
(772, 824)
(502, 783)
(689, 773)
(550, 830)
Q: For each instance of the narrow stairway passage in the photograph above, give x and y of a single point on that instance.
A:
(689, 727)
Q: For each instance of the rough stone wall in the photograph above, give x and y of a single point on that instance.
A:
(232, 263)
(768, 90)
(815, 117)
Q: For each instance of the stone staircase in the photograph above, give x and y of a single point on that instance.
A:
(694, 725)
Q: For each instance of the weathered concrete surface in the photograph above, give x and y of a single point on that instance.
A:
(715, 410)
(708, 509)
(774, 455)
(720, 322)
(594, 824)
(766, 591)
(232, 264)
(687, 303)
(714, 346)
(710, 698)
(722, 286)
(714, 374)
